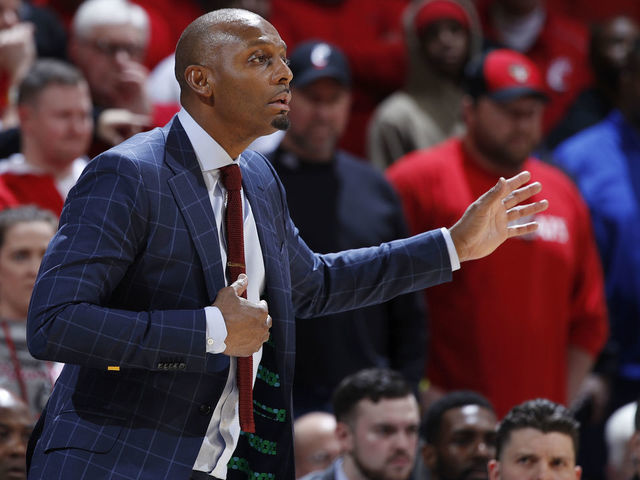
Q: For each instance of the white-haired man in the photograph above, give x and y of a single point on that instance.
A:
(108, 42)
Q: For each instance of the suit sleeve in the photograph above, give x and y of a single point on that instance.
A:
(336, 282)
(102, 230)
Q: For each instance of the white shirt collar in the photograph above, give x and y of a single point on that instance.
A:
(339, 469)
(210, 155)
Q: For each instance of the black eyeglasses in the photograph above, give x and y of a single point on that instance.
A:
(112, 49)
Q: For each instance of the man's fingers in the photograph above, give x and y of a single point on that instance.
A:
(526, 210)
(240, 285)
(523, 229)
(521, 194)
(506, 187)
(518, 180)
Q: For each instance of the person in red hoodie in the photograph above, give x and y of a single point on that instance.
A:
(54, 108)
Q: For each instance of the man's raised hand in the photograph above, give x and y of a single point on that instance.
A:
(485, 224)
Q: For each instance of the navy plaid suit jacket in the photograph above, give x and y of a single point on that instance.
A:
(124, 283)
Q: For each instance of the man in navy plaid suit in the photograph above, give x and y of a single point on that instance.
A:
(132, 293)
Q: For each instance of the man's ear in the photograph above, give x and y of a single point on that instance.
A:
(494, 469)
(468, 107)
(74, 50)
(345, 436)
(25, 112)
(200, 80)
(578, 471)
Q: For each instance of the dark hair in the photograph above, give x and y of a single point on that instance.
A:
(46, 72)
(540, 414)
(29, 213)
(372, 384)
(432, 421)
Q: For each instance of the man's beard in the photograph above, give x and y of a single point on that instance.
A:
(281, 122)
(501, 155)
(374, 474)
(444, 474)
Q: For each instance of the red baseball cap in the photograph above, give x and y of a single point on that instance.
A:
(504, 75)
(440, 10)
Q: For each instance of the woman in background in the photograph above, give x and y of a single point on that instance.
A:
(25, 233)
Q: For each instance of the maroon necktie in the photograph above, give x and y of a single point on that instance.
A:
(231, 178)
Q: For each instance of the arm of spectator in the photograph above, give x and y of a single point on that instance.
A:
(579, 363)
(114, 125)
(594, 392)
(132, 87)
(17, 54)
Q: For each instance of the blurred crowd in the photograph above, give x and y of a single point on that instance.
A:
(403, 112)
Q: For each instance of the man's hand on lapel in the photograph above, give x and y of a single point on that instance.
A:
(248, 323)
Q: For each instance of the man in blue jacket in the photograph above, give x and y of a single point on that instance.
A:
(132, 293)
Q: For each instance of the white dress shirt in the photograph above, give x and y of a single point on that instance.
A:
(224, 428)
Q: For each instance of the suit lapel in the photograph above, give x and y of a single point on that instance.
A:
(192, 198)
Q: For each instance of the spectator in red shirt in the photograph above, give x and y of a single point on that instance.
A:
(556, 44)
(54, 107)
(538, 335)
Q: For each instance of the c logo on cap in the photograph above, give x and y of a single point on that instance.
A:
(518, 72)
(320, 55)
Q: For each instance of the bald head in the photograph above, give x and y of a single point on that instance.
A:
(201, 41)
(234, 79)
(10, 402)
(316, 443)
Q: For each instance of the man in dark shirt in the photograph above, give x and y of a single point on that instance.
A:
(325, 186)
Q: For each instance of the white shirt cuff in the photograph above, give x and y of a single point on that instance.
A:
(216, 332)
(451, 248)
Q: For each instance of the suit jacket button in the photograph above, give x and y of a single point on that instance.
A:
(205, 409)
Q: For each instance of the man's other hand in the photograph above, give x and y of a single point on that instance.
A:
(485, 224)
(248, 323)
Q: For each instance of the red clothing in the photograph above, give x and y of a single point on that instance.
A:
(589, 11)
(493, 329)
(30, 189)
(23, 184)
(7, 198)
(560, 52)
(370, 35)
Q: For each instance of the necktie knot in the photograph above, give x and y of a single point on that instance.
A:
(231, 177)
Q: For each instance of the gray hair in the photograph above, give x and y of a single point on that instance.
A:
(92, 13)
